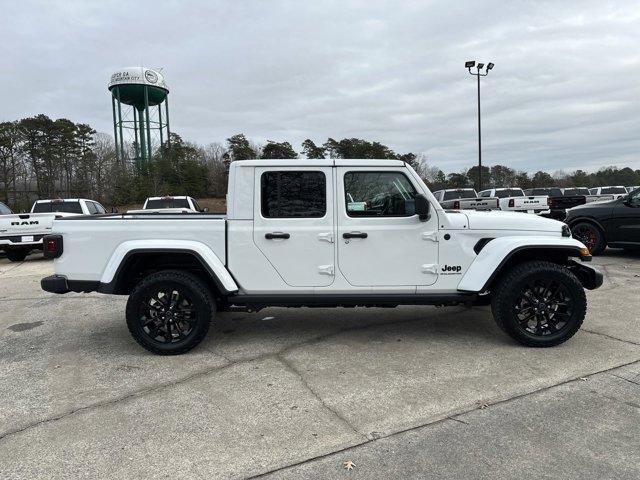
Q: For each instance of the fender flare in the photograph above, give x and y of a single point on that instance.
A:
(499, 251)
(205, 255)
(592, 220)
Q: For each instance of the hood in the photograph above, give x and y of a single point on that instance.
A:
(594, 205)
(499, 220)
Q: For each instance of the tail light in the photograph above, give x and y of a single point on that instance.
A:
(549, 202)
(512, 203)
(456, 205)
(52, 246)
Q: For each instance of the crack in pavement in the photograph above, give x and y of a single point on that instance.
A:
(203, 373)
(611, 337)
(439, 420)
(340, 417)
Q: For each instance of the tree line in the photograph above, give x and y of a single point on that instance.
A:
(45, 158)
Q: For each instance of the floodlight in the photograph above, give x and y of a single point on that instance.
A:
(469, 64)
(480, 65)
(489, 66)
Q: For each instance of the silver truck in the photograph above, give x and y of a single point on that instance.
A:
(465, 199)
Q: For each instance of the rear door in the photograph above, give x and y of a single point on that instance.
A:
(294, 223)
(381, 242)
(626, 219)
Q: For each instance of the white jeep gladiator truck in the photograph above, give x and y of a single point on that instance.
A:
(309, 234)
(464, 199)
(21, 233)
(514, 200)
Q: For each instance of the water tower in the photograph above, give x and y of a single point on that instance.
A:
(135, 94)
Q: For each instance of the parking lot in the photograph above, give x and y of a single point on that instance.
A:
(293, 393)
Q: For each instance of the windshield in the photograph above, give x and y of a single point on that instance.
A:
(509, 192)
(576, 191)
(167, 203)
(606, 190)
(4, 210)
(461, 193)
(63, 206)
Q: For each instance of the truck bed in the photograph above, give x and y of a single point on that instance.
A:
(84, 260)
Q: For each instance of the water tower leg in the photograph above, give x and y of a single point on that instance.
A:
(115, 125)
(135, 132)
(160, 125)
(120, 125)
(146, 110)
(143, 146)
(166, 111)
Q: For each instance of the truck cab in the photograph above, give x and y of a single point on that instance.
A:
(324, 233)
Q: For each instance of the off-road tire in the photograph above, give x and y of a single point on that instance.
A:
(508, 291)
(599, 243)
(17, 255)
(197, 291)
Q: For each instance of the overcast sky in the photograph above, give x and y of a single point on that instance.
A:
(565, 91)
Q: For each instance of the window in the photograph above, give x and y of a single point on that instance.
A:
(291, 194)
(4, 210)
(634, 199)
(378, 194)
(460, 193)
(168, 202)
(509, 192)
(195, 205)
(100, 208)
(613, 190)
(57, 206)
(92, 208)
(485, 193)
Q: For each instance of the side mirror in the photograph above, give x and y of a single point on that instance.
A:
(422, 207)
(205, 210)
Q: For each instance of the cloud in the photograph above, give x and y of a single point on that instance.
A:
(565, 92)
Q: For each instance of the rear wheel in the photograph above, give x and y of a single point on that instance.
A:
(169, 312)
(591, 236)
(17, 255)
(539, 304)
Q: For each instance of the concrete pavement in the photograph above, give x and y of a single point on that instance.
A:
(282, 390)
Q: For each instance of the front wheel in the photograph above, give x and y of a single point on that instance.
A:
(539, 304)
(17, 255)
(169, 312)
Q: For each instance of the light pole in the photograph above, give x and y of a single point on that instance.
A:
(469, 65)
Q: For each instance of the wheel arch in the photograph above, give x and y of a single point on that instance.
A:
(574, 221)
(504, 253)
(137, 263)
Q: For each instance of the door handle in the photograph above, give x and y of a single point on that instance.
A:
(271, 236)
(354, 235)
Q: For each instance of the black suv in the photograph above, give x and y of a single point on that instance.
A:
(615, 223)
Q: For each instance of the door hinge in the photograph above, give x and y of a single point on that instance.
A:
(325, 237)
(433, 236)
(431, 268)
(325, 269)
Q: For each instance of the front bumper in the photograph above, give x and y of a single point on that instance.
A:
(588, 276)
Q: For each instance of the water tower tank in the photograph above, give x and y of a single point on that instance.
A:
(139, 88)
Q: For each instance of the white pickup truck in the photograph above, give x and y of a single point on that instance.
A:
(21, 233)
(310, 234)
(617, 191)
(464, 199)
(584, 191)
(514, 200)
(169, 204)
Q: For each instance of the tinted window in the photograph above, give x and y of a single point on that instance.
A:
(195, 205)
(4, 210)
(552, 192)
(462, 193)
(509, 192)
(167, 203)
(293, 194)
(607, 190)
(486, 193)
(99, 208)
(378, 194)
(58, 206)
(576, 191)
(92, 208)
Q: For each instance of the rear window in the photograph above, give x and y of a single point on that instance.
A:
(509, 192)
(551, 192)
(4, 210)
(462, 193)
(576, 191)
(288, 194)
(167, 203)
(58, 206)
(609, 190)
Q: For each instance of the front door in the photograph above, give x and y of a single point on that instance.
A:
(381, 242)
(294, 223)
(626, 219)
